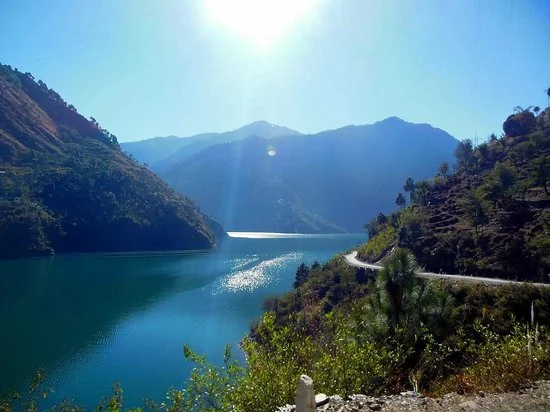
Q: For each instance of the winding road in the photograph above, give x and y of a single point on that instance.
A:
(352, 260)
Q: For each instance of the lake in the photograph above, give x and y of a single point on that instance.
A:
(89, 321)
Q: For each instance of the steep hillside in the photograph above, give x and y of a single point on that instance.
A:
(66, 186)
(161, 152)
(490, 218)
(324, 182)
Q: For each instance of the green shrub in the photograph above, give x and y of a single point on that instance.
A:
(377, 245)
(503, 363)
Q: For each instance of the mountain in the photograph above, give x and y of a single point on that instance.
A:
(65, 185)
(172, 149)
(491, 218)
(328, 182)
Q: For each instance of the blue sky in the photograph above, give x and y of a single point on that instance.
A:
(148, 68)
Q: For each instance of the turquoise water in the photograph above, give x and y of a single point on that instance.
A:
(90, 321)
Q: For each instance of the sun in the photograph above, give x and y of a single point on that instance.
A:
(263, 22)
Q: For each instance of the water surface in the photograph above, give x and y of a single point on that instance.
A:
(93, 320)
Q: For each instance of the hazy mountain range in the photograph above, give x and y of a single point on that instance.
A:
(172, 149)
(264, 177)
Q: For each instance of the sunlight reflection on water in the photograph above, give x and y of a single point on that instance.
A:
(257, 276)
(240, 263)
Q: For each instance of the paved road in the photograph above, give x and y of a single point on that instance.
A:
(352, 260)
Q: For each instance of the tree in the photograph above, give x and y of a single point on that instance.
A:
(302, 275)
(464, 154)
(522, 152)
(401, 300)
(541, 172)
(519, 124)
(409, 187)
(400, 200)
(476, 208)
(382, 219)
(500, 180)
(421, 191)
(444, 170)
(376, 225)
(482, 153)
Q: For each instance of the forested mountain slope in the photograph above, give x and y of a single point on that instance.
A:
(491, 217)
(65, 186)
(319, 183)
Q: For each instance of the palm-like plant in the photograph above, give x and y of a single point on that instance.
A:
(396, 280)
(519, 109)
(402, 301)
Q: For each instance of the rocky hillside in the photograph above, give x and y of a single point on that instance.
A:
(65, 185)
(490, 218)
(327, 182)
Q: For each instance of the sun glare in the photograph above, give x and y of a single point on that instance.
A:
(263, 22)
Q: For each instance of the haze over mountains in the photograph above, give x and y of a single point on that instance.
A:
(171, 149)
(333, 181)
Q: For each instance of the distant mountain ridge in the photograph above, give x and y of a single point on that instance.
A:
(65, 185)
(172, 149)
(331, 181)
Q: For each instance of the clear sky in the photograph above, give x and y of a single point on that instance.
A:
(146, 68)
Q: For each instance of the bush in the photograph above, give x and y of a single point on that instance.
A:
(375, 248)
(500, 363)
(519, 124)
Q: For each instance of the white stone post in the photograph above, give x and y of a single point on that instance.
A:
(305, 396)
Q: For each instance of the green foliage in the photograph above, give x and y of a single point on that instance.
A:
(540, 245)
(302, 274)
(502, 363)
(541, 172)
(409, 188)
(465, 159)
(345, 362)
(500, 180)
(376, 225)
(351, 362)
(400, 200)
(209, 388)
(403, 301)
(444, 170)
(522, 153)
(476, 208)
(519, 124)
(421, 192)
(410, 225)
(274, 366)
(378, 245)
